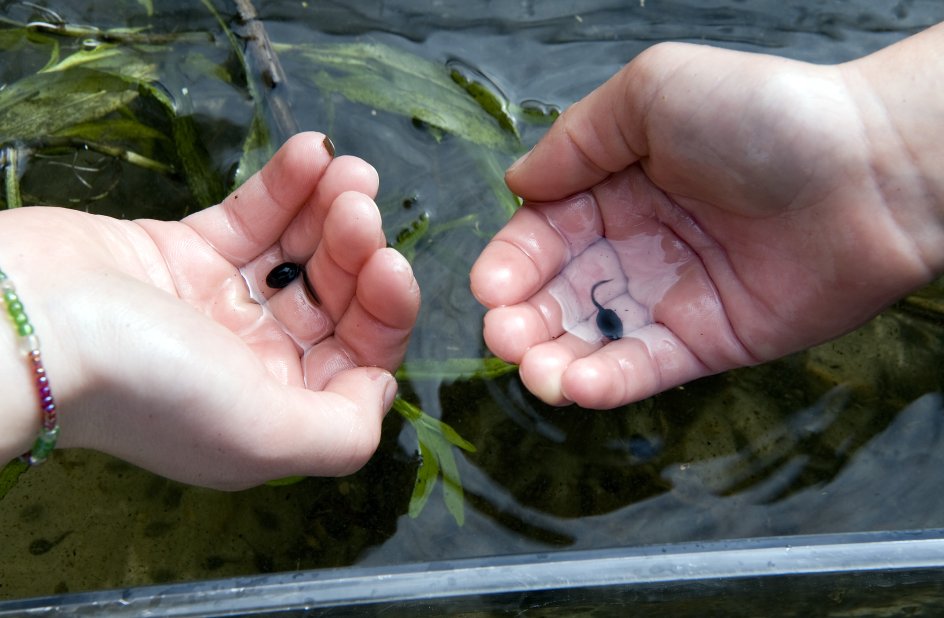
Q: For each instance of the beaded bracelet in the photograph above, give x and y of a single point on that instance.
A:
(29, 346)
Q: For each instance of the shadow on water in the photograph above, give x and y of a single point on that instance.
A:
(845, 437)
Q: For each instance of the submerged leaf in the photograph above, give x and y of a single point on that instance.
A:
(455, 369)
(452, 487)
(10, 474)
(285, 481)
(426, 477)
(9, 163)
(45, 103)
(111, 59)
(112, 129)
(435, 439)
(396, 81)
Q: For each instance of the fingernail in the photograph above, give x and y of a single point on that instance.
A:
(390, 392)
(520, 160)
(329, 146)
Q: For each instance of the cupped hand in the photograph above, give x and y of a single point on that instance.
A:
(738, 208)
(166, 347)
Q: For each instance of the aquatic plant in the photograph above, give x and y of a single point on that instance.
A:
(117, 93)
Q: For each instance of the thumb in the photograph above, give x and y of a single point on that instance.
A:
(592, 139)
(609, 129)
(337, 430)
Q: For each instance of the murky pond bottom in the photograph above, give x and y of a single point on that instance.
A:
(844, 438)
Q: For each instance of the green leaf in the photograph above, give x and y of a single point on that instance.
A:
(435, 440)
(407, 238)
(205, 183)
(10, 474)
(426, 477)
(438, 428)
(452, 487)
(257, 149)
(45, 103)
(111, 59)
(486, 95)
(389, 79)
(455, 369)
(112, 130)
(288, 480)
(259, 145)
(9, 163)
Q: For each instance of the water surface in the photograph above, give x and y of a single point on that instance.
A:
(845, 437)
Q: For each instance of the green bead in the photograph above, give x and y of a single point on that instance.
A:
(14, 306)
(24, 330)
(44, 446)
(10, 296)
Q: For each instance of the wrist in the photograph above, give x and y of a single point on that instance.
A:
(902, 108)
(23, 377)
(29, 409)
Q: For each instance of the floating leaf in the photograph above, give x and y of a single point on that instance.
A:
(396, 81)
(406, 240)
(485, 93)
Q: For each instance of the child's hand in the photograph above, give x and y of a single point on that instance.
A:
(157, 353)
(743, 207)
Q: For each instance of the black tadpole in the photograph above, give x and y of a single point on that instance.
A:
(282, 275)
(607, 320)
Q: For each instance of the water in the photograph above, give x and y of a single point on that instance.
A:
(846, 437)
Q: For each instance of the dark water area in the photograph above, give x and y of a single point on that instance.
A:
(846, 437)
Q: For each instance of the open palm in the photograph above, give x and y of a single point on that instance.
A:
(732, 207)
(172, 352)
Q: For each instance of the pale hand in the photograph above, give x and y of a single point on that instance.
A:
(744, 206)
(158, 355)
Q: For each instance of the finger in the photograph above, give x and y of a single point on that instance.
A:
(376, 327)
(256, 214)
(650, 361)
(532, 248)
(343, 174)
(308, 307)
(353, 232)
(571, 370)
(510, 332)
(542, 367)
(332, 432)
(564, 304)
(600, 134)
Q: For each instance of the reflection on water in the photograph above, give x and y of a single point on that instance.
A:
(844, 437)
